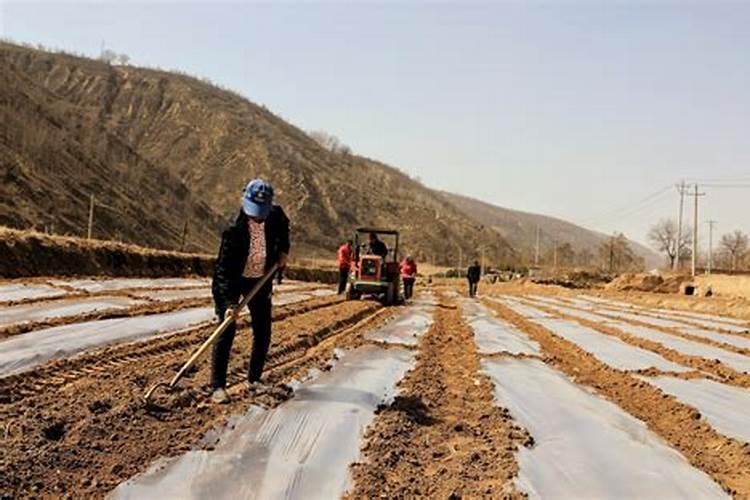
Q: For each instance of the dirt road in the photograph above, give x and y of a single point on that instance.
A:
(538, 394)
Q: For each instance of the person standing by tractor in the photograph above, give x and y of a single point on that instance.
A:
(408, 275)
(344, 261)
(258, 239)
(473, 273)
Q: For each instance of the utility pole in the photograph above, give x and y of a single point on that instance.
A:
(184, 236)
(536, 248)
(695, 229)
(711, 224)
(483, 260)
(460, 258)
(682, 189)
(91, 216)
(554, 256)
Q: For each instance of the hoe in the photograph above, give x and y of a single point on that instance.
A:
(211, 340)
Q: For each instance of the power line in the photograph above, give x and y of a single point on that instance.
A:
(630, 208)
(719, 179)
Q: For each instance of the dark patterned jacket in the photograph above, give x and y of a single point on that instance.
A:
(235, 243)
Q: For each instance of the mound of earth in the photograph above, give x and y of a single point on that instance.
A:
(647, 282)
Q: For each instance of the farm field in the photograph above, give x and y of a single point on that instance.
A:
(512, 393)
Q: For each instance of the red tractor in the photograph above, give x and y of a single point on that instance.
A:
(376, 268)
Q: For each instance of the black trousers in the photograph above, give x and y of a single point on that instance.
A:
(408, 287)
(472, 288)
(260, 314)
(343, 279)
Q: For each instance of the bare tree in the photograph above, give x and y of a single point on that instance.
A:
(108, 56)
(330, 142)
(735, 244)
(566, 255)
(663, 236)
(585, 258)
(616, 255)
(123, 59)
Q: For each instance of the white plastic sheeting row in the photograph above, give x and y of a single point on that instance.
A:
(301, 449)
(605, 313)
(108, 285)
(585, 446)
(284, 299)
(706, 320)
(407, 328)
(493, 336)
(412, 322)
(519, 307)
(22, 291)
(733, 360)
(39, 311)
(23, 352)
(177, 294)
(725, 407)
(610, 350)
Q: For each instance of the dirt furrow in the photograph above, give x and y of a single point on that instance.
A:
(722, 372)
(149, 307)
(443, 436)
(726, 460)
(75, 293)
(687, 336)
(116, 357)
(136, 310)
(83, 438)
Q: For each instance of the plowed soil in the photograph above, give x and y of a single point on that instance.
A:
(77, 428)
(726, 460)
(443, 436)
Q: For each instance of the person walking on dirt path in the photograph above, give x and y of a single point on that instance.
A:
(377, 247)
(473, 273)
(252, 244)
(344, 261)
(408, 275)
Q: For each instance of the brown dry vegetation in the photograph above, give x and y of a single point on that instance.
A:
(28, 253)
(159, 149)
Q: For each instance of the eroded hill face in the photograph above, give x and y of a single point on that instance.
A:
(54, 155)
(159, 148)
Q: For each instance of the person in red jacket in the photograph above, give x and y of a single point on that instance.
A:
(408, 275)
(344, 261)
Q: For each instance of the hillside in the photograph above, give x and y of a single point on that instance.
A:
(519, 229)
(164, 152)
(54, 155)
(161, 149)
